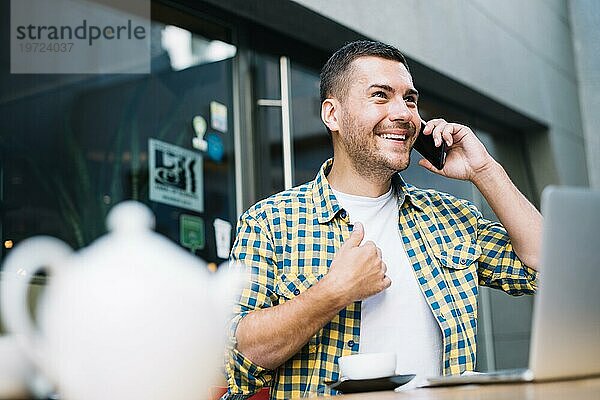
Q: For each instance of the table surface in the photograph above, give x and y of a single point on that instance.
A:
(580, 389)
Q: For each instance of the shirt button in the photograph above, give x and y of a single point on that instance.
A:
(463, 261)
(343, 214)
(297, 292)
(350, 343)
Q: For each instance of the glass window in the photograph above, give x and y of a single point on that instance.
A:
(72, 146)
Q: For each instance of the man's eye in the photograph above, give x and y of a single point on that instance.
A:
(379, 93)
(410, 99)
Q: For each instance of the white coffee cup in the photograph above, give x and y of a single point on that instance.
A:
(367, 365)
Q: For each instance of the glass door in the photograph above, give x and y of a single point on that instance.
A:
(292, 141)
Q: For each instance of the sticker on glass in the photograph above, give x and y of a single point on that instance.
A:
(222, 237)
(175, 176)
(215, 149)
(218, 116)
(191, 232)
(199, 125)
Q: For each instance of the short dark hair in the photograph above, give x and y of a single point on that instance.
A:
(336, 71)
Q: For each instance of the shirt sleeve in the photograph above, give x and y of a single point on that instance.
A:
(499, 266)
(253, 248)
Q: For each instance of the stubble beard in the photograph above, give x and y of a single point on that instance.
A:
(366, 158)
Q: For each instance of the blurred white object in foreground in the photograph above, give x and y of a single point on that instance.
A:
(132, 316)
(15, 369)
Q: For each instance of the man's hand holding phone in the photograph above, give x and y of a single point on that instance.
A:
(465, 156)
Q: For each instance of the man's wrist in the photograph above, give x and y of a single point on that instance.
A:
(332, 292)
(490, 170)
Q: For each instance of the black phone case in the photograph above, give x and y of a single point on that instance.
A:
(426, 147)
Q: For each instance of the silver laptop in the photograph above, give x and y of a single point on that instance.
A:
(565, 333)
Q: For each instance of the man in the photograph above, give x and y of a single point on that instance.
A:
(359, 261)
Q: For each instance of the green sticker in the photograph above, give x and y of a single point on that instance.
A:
(191, 232)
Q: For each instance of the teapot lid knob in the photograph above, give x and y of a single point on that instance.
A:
(130, 216)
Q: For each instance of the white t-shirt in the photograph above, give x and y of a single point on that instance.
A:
(399, 318)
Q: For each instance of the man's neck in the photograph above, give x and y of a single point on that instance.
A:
(344, 178)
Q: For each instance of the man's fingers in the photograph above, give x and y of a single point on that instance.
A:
(447, 134)
(387, 282)
(437, 133)
(357, 235)
(428, 165)
(430, 125)
(441, 131)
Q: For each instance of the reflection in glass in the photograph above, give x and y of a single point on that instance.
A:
(186, 49)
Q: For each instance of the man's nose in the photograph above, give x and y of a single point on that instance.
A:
(399, 111)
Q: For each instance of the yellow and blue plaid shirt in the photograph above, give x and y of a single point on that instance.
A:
(289, 240)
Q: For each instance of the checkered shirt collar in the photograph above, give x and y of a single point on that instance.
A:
(327, 205)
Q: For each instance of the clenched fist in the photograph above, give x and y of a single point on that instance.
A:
(357, 271)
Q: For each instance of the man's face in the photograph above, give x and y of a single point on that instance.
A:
(378, 117)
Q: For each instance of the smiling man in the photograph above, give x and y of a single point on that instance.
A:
(357, 260)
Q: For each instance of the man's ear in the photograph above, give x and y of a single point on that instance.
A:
(330, 113)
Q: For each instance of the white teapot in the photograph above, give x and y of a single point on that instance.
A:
(132, 316)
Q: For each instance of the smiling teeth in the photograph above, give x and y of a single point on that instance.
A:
(393, 136)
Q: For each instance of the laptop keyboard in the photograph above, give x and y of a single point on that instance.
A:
(507, 375)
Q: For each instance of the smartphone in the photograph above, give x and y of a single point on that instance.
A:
(426, 147)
